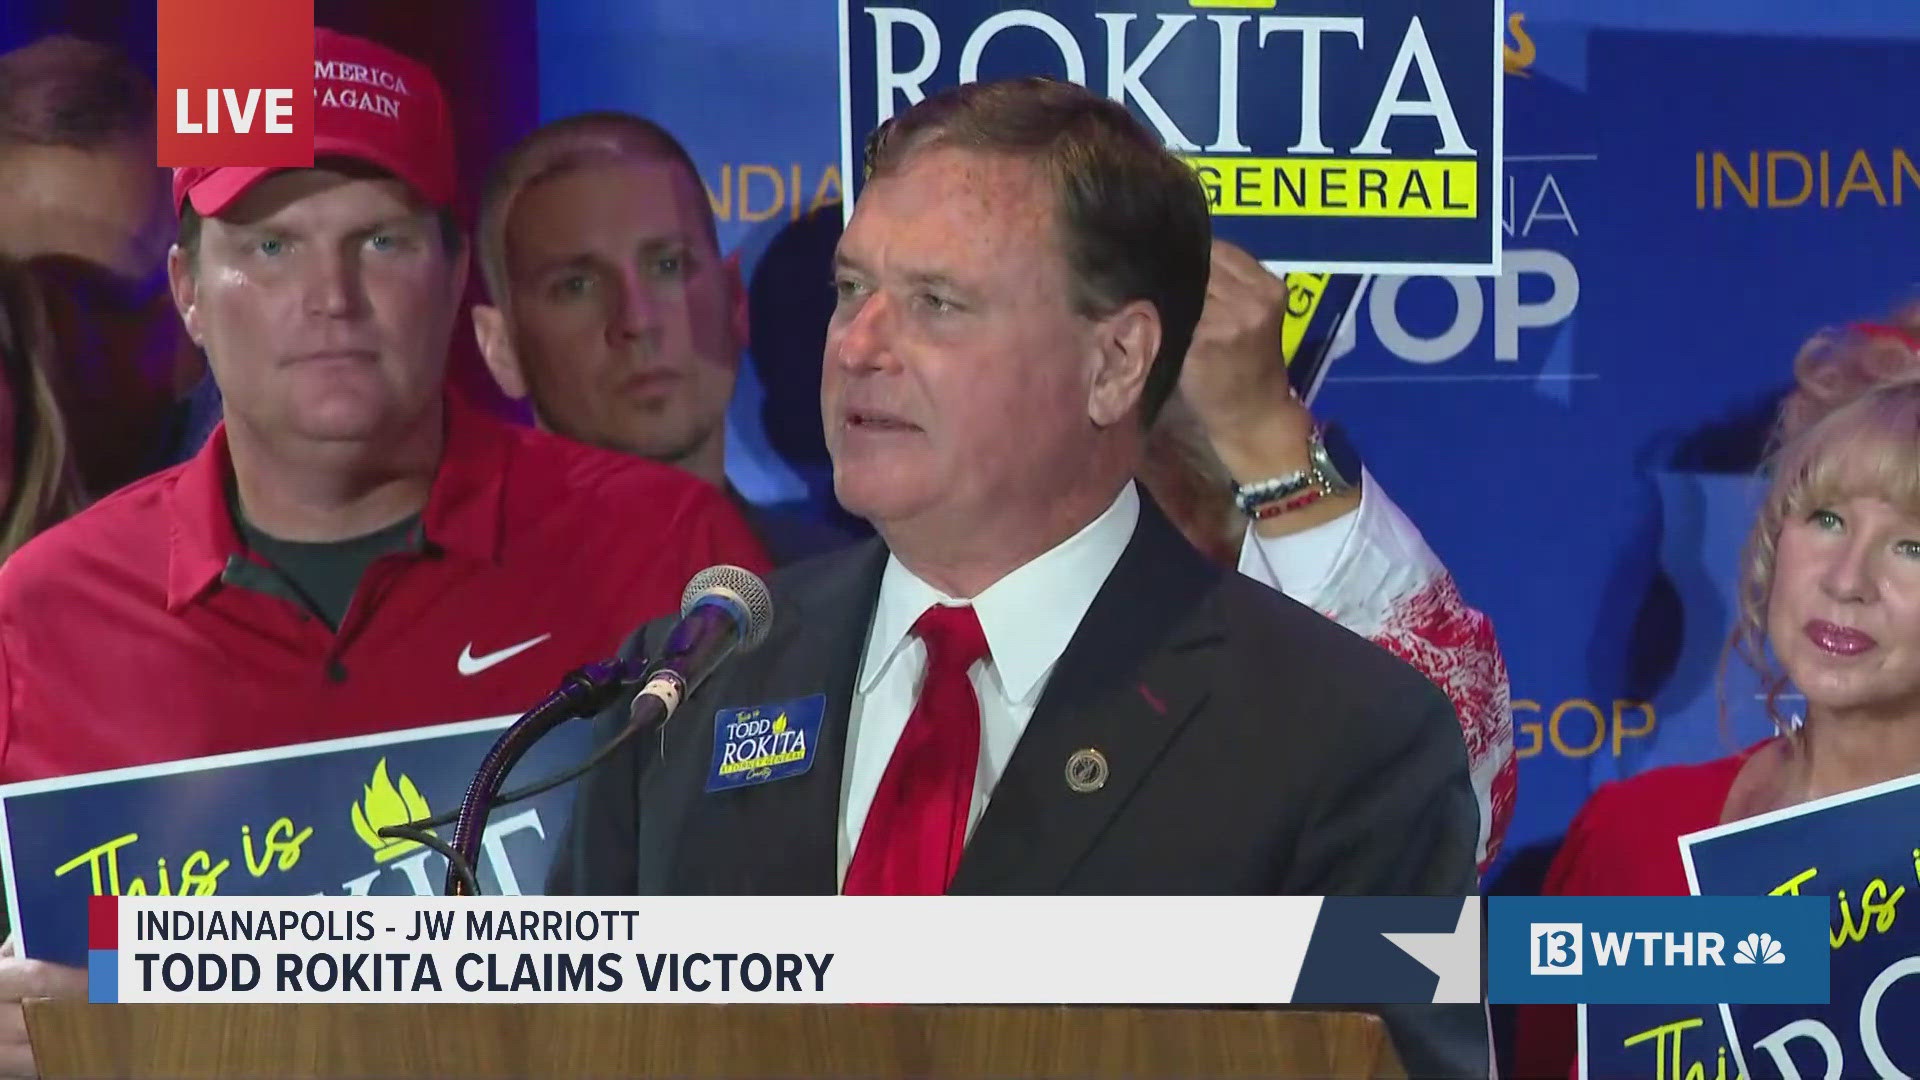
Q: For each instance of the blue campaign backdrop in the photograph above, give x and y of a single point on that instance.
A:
(1863, 851)
(1570, 436)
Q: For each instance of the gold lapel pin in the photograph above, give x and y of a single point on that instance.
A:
(1086, 770)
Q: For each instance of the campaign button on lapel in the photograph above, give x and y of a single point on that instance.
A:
(764, 743)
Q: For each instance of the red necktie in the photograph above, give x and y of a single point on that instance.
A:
(917, 826)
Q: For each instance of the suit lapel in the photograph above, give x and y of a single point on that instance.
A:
(1134, 673)
(782, 837)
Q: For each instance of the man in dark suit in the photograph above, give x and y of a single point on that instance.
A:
(1031, 683)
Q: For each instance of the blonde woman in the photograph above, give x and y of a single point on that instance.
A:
(38, 483)
(1829, 603)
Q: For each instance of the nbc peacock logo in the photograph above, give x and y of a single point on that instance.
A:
(385, 804)
(1759, 949)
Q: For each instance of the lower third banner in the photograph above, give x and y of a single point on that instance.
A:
(828, 949)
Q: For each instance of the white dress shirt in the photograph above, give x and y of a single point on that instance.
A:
(1302, 564)
(1372, 572)
(1029, 616)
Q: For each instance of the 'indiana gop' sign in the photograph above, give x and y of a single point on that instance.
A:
(1341, 136)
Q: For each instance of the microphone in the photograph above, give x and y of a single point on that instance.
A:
(724, 610)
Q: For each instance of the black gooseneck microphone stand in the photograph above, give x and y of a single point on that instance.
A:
(723, 609)
(582, 693)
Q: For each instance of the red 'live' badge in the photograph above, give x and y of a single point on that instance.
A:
(235, 82)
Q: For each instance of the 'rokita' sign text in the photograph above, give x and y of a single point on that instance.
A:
(1333, 135)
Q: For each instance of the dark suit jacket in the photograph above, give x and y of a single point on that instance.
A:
(1255, 748)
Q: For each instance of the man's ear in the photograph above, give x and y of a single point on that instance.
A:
(737, 308)
(496, 347)
(185, 288)
(1125, 344)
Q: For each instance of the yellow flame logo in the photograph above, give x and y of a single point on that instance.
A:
(1518, 57)
(780, 725)
(386, 805)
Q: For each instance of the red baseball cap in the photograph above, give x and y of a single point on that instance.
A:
(370, 104)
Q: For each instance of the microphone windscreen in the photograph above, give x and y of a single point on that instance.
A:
(743, 589)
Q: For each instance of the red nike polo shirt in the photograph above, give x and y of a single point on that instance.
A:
(136, 631)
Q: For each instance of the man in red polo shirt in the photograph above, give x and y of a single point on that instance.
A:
(354, 551)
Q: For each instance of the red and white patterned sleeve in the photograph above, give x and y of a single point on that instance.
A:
(1373, 573)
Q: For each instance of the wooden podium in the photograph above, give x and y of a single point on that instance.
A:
(341, 1042)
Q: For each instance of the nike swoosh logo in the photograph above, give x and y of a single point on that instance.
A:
(474, 665)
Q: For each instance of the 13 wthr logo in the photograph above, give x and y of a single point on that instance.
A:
(1557, 948)
(1682, 950)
